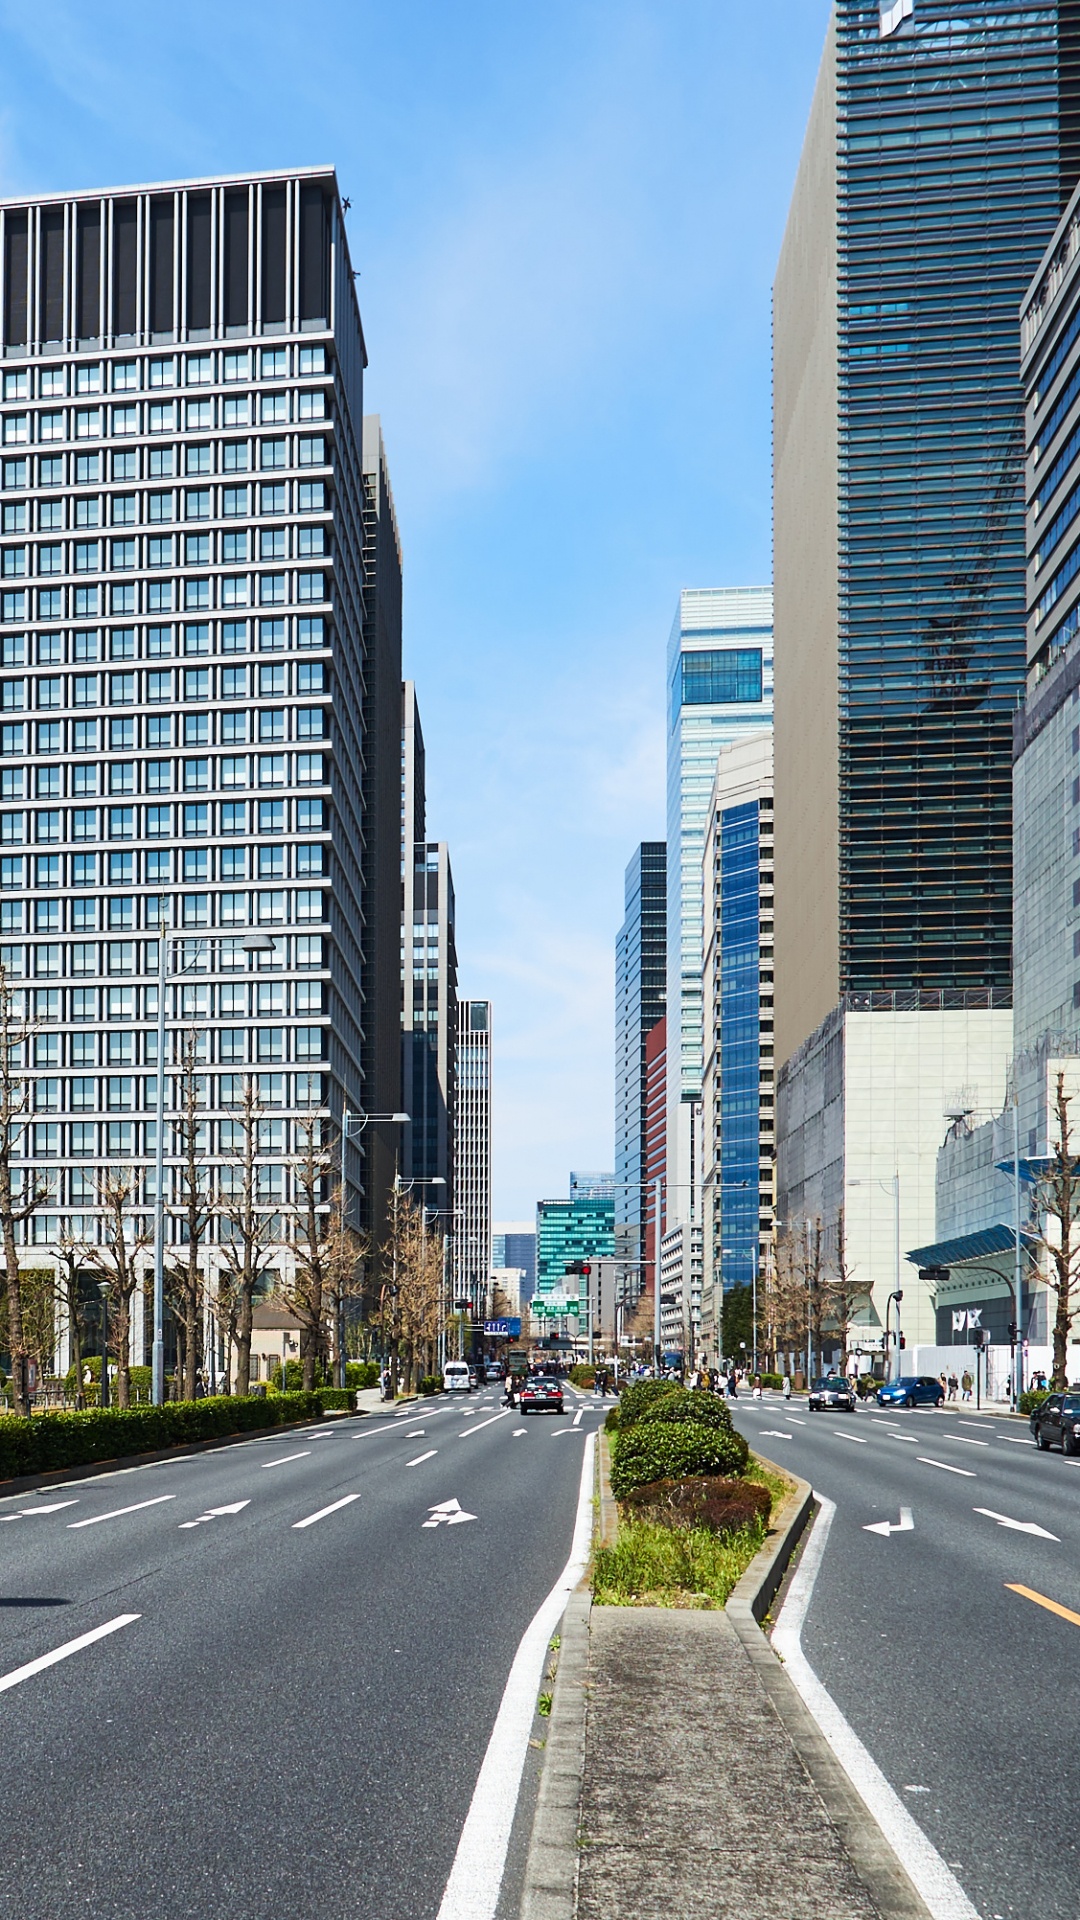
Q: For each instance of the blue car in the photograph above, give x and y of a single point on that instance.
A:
(913, 1390)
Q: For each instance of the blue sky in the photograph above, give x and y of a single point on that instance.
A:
(566, 218)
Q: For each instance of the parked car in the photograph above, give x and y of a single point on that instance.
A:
(1056, 1423)
(834, 1391)
(541, 1393)
(456, 1377)
(912, 1390)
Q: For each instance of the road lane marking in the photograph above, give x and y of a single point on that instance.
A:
(939, 1888)
(26, 1513)
(44, 1660)
(908, 1439)
(214, 1513)
(323, 1511)
(576, 1433)
(857, 1437)
(518, 1431)
(417, 1434)
(486, 1423)
(421, 1457)
(1040, 1599)
(285, 1458)
(795, 1421)
(450, 1513)
(977, 1426)
(961, 1440)
(905, 1524)
(472, 1891)
(945, 1467)
(1014, 1440)
(118, 1514)
(368, 1431)
(1018, 1526)
(579, 1416)
(774, 1433)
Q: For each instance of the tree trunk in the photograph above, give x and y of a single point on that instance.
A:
(20, 1367)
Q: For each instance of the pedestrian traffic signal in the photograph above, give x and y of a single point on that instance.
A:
(903, 1342)
(1013, 1331)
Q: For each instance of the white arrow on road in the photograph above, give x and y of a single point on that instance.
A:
(450, 1511)
(215, 1513)
(773, 1433)
(1017, 1526)
(905, 1524)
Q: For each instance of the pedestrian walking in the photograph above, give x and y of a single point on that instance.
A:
(732, 1386)
(953, 1385)
(787, 1386)
(757, 1387)
(966, 1384)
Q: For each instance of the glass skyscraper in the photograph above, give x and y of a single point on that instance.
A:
(719, 685)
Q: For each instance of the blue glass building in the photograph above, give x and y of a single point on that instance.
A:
(640, 981)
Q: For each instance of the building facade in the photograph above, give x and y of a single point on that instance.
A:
(513, 1244)
(570, 1231)
(472, 1156)
(640, 986)
(430, 1026)
(738, 1090)
(655, 1165)
(937, 158)
(719, 684)
(185, 641)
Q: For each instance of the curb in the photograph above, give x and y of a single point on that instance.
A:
(125, 1462)
(550, 1888)
(871, 1855)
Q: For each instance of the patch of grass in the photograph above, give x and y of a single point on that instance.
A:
(543, 1705)
(778, 1483)
(653, 1566)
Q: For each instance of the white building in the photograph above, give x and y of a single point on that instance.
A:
(472, 1155)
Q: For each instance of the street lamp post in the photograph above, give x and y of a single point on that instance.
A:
(354, 1124)
(103, 1289)
(251, 942)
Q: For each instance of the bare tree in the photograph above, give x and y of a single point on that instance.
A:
(184, 1275)
(1057, 1200)
(115, 1261)
(842, 1292)
(70, 1252)
(247, 1241)
(21, 1193)
(347, 1252)
(416, 1297)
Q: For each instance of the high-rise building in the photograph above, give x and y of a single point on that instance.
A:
(579, 1229)
(186, 642)
(592, 1186)
(655, 1163)
(939, 152)
(429, 1017)
(472, 1155)
(513, 1244)
(739, 1086)
(719, 684)
(640, 985)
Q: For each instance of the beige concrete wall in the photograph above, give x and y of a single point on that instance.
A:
(805, 576)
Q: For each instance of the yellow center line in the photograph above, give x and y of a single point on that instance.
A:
(1040, 1599)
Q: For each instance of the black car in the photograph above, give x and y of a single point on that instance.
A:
(834, 1391)
(1056, 1422)
(541, 1393)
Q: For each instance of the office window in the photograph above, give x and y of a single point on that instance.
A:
(235, 502)
(271, 769)
(310, 632)
(50, 559)
(236, 366)
(47, 825)
(271, 863)
(273, 453)
(311, 497)
(159, 731)
(125, 466)
(234, 771)
(310, 453)
(125, 376)
(162, 463)
(233, 864)
(310, 723)
(236, 456)
(271, 589)
(309, 862)
(84, 823)
(272, 724)
(234, 636)
(309, 769)
(234, 728)
(12, 829)
(272, 637)
(122, 777)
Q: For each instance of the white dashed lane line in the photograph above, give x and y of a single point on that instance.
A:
(421, 1457)
(285, 1458)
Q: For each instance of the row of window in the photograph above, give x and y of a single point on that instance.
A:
(134, 1093)
(165, 416)
(232, 1047)
(162, 550)
(124, 913)
(119, 959)
(272, 498)
(192, 866)
(49, 826)
(54, 379)
(196, 639)
(163, 596)
(163, 687)
(127, 734)
(86, 779)
(203, 457)
(188, 1000)
(125, 1094)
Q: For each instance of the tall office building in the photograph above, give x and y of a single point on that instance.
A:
(738, 1086)
(184, 638)
(640, 984)
(513, 1244)
(381, 899)
(719, 684)
(472, 1155)
(939, 151)
(581, 1228)
(429, 1016)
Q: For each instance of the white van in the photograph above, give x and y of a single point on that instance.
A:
(456, 1377)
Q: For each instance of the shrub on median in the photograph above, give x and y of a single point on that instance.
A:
(582, 1376)
(723, 1506)
(674, 1450)
(430, 1384)
(1033, 1397)
(636, 1401)
(686, 1403)
(50, 1441)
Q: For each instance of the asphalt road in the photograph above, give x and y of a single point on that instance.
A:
(295, 1720)
(966, 1693)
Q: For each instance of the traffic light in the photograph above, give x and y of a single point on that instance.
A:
(903, 1342)
(1013, 1331)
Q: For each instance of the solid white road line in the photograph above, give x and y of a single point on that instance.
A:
(486, 1423)
(285, 1458)
(119, 1512)
(961, 1440)
(472, 1891)
(908, 1438)
(421, 1457)
(323, 1511)
(795, 1422)
(945, 1467)
(942, 1893)
(857, 1437)
(44, 1660)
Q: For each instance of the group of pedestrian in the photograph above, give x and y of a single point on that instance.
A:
(953, 1386)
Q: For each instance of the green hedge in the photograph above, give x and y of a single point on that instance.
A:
(361, 1373)
(53, 1440)
(684, 1403)
(431, 1383)
(611, 1420)
(635, 1401)
(775, 1380)
(1033, 1397)
(335, 1399)
(582, 1376)
(674, 1450)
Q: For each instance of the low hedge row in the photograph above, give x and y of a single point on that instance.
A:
(1033, 1397)
(674, 1450)
(54, 1440)
(636, 1401)
(724, 1506)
